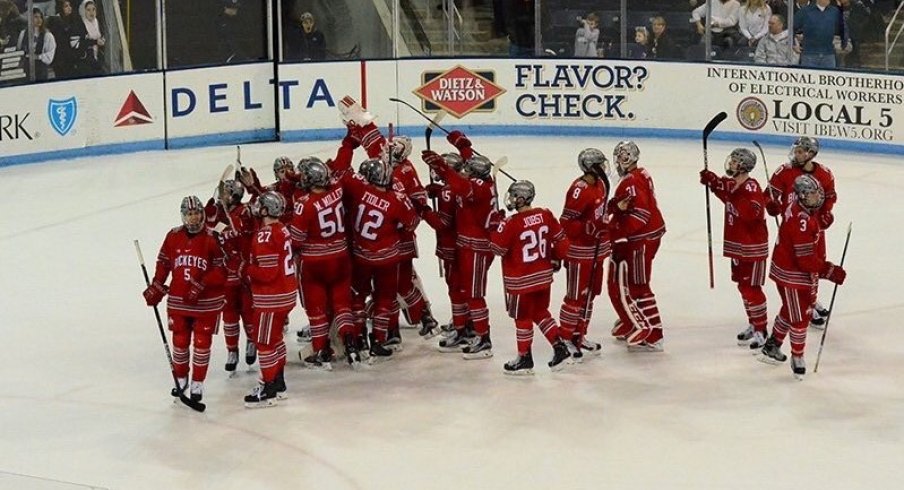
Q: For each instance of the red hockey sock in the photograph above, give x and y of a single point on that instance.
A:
(281, 354)
(231, 334)
(799, 337)
(549, 329)
(268, 358)
(569, 320)
(320, 332)
(524, 334)
(200, 357)
(480, 315)
(181, 342)
(755, 306)
(780, 329)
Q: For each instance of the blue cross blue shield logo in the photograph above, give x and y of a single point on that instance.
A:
(62, 114)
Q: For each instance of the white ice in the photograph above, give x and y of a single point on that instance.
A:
(85, 385)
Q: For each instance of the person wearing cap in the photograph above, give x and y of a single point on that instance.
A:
(303, 41)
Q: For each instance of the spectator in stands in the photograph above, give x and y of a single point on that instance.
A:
(306, 41)
(48, 7)
(753, 21)
(587, 36)
(818, 24)
(799, 4)
(11, 24)
(857, 19)
(775, 48)
(519, 21)
(779, 7)
(92, 62)
(42, 44)
(724, 22)
(639, 49)
(69, 33)
(662, 45)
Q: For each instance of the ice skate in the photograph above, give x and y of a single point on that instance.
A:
(352, 354)
(280, 386)
(589, 347)
(232, 361)
(454, 343)
(772, 352)
(196, 391)
(429, 326)
(183, 383)
(745, 336)
(393, 340)
(250, 353)
(574, 351)
(798, 367)
(757, 342)
(320, 360)
(820, 313)
(520, 366)
(480, 348)
(647, 347)
(378, 353)
(560, 355)
(303, 336)
(262, 396)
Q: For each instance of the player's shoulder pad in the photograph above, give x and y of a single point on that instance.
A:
(176, 230)
(580, 183)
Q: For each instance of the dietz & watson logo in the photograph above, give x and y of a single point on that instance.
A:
(132, 112)
(459, 91)
(62, 114)
(752, 113)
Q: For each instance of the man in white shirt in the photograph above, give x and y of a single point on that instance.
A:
(724, 22)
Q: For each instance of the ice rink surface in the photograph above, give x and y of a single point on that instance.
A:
(85, 386)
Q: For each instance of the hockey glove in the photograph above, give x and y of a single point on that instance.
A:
(620, 250)
(434, 190)
(433, 219)
(458, 140)
(626, 204)
(773, 208)
(353, 114)
(834, 273)
(210, 212)
(709, 179)
(826, 219)
(433, 160)
(194, 293)
(495, 218)
(155, 293)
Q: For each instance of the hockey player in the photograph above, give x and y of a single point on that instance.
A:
(318, 232)
(236, 240)
(746, 238)
(442, 219)
(406, 181)
(636, 228)
(532, 245)
(193, 256)
(287, 182)
(582, 220)
(477, 202)
(271, 272)
(780, 194)
(797, 265)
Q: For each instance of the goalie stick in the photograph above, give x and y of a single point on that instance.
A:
(766, 168)
(822, 341)
(710, 127)
(196, 406)
(415, 109)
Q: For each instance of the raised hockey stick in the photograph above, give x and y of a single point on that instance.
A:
(415, 109)
(710, 127)
(766, 168)
(822, 341)
(427, 134)
(196, 406)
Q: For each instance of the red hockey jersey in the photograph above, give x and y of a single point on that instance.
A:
(642, 220)
(528, 242)
(584, 203)
(380, 218)
(445, 221)
(745, 233)
(236, 240)
(780, 192)
(318, 225)
(192, 258)
(406, 181)
(271, 269)
(795, 261)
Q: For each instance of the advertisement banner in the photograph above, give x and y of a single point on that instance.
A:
(61, 119)
(220, 105)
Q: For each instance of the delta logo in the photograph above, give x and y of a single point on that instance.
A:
(133, 112)
(459, 91)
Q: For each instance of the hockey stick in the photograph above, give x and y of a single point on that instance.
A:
(766, 168)
(415, 109)
(710, 127)
(196, 406)
(427, 134)
(822, 341)
(593, 272)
